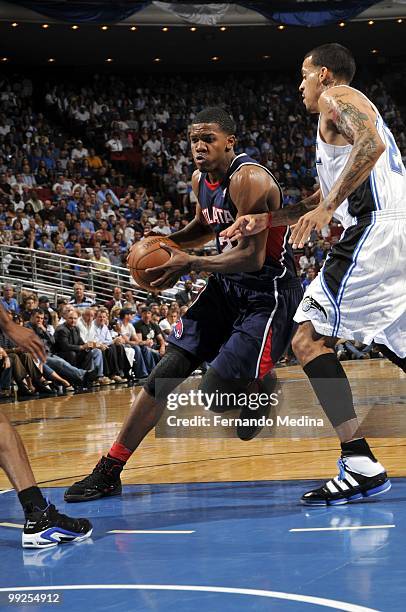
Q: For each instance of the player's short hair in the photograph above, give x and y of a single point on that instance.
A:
(336, 58)
(216, 114)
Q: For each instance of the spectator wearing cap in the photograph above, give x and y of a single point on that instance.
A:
(79, 152)
(44, 304)
(150, 335)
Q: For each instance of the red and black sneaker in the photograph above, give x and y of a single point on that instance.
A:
(104, 481)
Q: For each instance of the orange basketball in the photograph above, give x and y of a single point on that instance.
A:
(148, 254)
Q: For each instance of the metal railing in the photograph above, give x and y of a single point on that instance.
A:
(54, 275)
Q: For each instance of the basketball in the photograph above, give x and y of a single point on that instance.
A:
(148, 254)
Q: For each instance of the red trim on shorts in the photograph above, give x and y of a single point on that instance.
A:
(275, 242)
(266, 364)
(212, 186)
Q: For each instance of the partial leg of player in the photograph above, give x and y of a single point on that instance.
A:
(44, 525)
(360, 474)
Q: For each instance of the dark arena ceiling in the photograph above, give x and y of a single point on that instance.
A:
(153, 39)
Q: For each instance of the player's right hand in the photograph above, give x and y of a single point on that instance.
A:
(246, 225)
(26, 339)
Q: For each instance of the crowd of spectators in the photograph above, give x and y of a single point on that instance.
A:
(87, 344)
(88, 168)
(95, 165)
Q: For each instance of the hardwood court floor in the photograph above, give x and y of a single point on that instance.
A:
(65, 436)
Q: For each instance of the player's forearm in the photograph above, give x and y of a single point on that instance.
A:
(292, 213)
(364, 155)
(195, 234)
(5, 321)
(242, 258)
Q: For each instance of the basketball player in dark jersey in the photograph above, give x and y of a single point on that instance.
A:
(44, 525)
(241, 323)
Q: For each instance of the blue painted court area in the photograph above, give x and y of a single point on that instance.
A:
(242, 553)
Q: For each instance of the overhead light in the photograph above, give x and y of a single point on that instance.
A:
(215, 58)
(266, 57)
(109, 59)
(104, 28)
(4, 59)
(223, 28)
(75, 27)
(400, 20)
(374, 51)
(281, 27)
(342, 24)
(14, 24)
(371, 22)
(45, 26)
(193, 29)
(133, 28)
(165, 29)
(157, 59)
(51, 60)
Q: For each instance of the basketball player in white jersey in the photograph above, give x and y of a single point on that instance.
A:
(360, 292)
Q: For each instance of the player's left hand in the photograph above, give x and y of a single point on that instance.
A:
(179, 264)
(314, 220)
(24, 337)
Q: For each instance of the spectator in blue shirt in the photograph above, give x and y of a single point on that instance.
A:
(85, 222)
(103, 191)
(8, 301)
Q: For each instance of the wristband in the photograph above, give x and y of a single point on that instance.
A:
(269, 220)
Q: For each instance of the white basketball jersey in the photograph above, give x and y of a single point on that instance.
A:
(384, 189)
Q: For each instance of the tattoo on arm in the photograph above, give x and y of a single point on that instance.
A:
(354, 125)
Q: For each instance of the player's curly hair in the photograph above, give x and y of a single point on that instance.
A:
(336, 58)
(216, 114)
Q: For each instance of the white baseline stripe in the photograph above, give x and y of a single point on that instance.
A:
(6, 491)
(353, 528)
(15, 525)
(158, 531)
(318, 601)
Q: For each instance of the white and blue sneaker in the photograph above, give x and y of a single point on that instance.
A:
(359, 478)
(48, 528)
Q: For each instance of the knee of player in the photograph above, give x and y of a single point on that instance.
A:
(302, 343)
(173, 368)
(220, 394)
(7, 435)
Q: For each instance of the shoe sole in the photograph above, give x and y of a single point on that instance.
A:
(36, 540)
(80, 498)
(358, 497)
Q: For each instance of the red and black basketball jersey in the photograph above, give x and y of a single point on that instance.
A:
(220, 212)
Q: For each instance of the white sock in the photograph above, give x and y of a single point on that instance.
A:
(364, 465)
